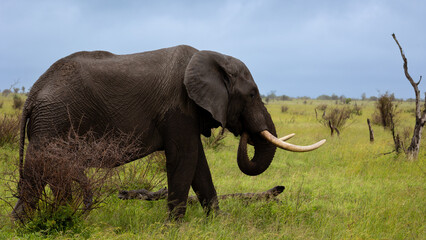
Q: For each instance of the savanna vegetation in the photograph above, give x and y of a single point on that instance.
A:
(350, 188)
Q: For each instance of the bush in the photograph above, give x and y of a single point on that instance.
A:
(17, 102)
(284, 108)
(322, 107)
(385, 111)
(79, 170)
(1, 104)
(48, 222)
(357, 110)
(348, 100)
(9, 129)
(338, 116)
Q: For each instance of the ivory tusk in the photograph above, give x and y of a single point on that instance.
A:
(287, 137)
(288, 146)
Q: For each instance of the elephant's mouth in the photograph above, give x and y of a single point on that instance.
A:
(265, 144)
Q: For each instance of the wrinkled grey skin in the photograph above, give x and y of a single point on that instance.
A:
(167, 98)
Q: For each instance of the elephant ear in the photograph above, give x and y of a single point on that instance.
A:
(207, 83)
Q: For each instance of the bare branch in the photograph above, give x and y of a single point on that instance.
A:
(419, 81)
(407, 75)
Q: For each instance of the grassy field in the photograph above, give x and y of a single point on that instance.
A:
(348, 189)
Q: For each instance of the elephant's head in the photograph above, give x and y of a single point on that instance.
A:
(223, 86)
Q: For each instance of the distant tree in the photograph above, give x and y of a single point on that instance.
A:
(373, 98)
(23, 89)
(304, 98)
(285, 98)
(15, 90)
(363, 96)
(334, 97)
(324, 97)
(6, 92)
(272, 95)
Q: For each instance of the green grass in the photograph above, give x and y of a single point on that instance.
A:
(348, 189)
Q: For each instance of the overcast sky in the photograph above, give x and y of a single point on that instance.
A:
(297, 48)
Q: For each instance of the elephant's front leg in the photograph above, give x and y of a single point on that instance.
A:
(181, 138)
(202, 184)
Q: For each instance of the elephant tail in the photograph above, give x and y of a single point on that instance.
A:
(23, 124)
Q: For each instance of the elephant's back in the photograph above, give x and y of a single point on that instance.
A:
(100, 90)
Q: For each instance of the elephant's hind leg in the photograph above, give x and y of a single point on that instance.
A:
(30, 189)
(64, 191)
(86, 189)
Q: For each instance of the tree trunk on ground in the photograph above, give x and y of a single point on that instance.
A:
(143, 194)
(413, 150)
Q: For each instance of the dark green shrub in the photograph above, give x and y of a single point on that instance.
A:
(284, 108)
(386, 111)
(348, 100)
(357, 110)
(9, 129)
(52, 221)
(17, 102)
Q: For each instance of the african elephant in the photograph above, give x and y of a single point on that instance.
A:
(168, 97)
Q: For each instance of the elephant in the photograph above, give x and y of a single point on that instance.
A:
(169, 98)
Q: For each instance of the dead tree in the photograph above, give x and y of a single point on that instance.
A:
(413, 150)
(144, 194)
(370, 130)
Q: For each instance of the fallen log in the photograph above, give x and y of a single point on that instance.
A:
(144, 194)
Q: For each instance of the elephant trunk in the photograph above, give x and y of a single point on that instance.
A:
(264, 152)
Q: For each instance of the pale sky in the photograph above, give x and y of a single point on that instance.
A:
(297, 48)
